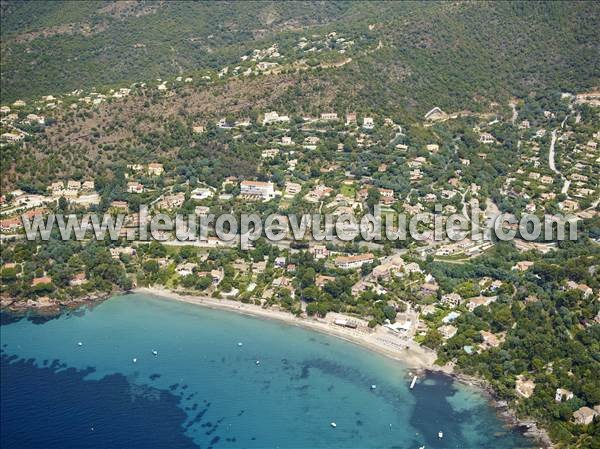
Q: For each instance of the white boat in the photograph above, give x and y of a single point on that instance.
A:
(258, 362)
(79, 344)
(240, 343)
(422, 447)
(440, 434)
(154, 352)
(373, 386)
(134, 360)
(334, 425)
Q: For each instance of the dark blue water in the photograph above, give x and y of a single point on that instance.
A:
(203, 390)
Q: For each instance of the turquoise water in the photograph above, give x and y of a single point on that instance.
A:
(203, 390)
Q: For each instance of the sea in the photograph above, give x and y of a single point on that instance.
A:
(139, 371)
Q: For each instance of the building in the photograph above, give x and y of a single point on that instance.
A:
(155, 169)
(447, 331)
(56, 187)
(13, 137)
(451, 300)
(321, 280)
(569, 205)
(436, 114)
(490, 340)
(201, 193)
(172, 201)
(587, 291)
(524, 387)
(135, 187)
(87, 185)
(584, 416)
(429, 288)
(120, 205)
(329, 116)
(473, 303)
(486, 138)
(524, 265)
(274, 117)
(41, 280)
(368, 123)
(78, 279)
(561, 394)
(319, 252)
(351, 118)
(264, 190)
(292, 188)
(352, 262)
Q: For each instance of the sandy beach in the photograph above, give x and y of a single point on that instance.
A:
(379, 340)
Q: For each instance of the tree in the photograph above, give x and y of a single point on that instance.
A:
(433, 339)
(151, 266)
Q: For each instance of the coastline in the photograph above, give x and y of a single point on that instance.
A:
(411, 355)
(415, 357)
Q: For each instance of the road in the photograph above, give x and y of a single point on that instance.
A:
(551, 153)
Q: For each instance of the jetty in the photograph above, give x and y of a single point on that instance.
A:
(414, 381)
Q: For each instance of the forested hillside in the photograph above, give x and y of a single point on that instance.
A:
(453, 54)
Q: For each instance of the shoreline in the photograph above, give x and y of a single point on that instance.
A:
(413, 356)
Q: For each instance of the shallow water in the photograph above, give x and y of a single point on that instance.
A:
(203, 390)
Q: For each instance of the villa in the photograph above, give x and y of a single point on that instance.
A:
(263, 190)
(352, 262)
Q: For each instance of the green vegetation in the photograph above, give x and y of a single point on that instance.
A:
(485, 51)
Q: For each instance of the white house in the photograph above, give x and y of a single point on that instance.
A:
(274, 117)
(265, 190)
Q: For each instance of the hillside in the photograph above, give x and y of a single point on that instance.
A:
(409, 55)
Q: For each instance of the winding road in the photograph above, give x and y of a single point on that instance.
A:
(551, 163)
